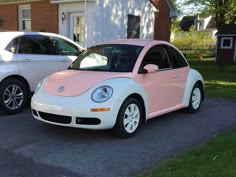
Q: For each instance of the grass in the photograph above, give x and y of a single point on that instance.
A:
(217, 157)
(218, 83)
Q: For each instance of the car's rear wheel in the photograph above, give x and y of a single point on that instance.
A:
(13, 96)
(128, 119)
(195, 99)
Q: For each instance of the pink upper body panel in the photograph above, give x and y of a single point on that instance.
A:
(77, 82)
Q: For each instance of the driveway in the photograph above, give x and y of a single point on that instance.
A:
(29, 148)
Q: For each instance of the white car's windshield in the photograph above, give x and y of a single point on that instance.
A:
(111, 58)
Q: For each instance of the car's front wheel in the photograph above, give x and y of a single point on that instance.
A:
(195, 99)
(129, 118)
(13, 96)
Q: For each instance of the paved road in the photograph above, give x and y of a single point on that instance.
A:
(29, 148)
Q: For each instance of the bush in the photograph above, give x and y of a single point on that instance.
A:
(195, 43)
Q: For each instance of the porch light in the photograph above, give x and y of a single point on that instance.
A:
(63, 17)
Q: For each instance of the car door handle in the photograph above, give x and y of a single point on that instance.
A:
(174, 76)
(27, 60)
(64, 60)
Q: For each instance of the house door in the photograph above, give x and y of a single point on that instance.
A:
(77, 27)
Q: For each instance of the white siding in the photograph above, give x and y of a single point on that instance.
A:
(107, 19)
(110, 19)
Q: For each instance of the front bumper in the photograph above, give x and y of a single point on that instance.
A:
(79, 111)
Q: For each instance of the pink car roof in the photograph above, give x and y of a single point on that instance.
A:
(138, 42)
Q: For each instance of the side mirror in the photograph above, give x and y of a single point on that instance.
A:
(151, 68)
(13, 49)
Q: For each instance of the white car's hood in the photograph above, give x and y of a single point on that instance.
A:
(73, 83)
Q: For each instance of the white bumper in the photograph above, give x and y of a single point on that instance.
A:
(61, 110)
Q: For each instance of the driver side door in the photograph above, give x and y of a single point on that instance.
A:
(159, 85)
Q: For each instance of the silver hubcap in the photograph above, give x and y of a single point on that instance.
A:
(196, 98)
(131, 118)
(13, 96)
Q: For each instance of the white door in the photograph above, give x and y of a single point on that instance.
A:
(77, 28)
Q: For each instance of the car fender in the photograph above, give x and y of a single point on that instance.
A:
(193, 77)
(122, 89)
(8, 70)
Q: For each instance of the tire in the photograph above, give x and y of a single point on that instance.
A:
(195, 100)
(129, 118)
(13, 96)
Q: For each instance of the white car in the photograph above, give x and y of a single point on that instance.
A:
(25, 59)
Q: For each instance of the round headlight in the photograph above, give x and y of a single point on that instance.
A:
(102, 94)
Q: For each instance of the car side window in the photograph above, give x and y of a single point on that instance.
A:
(34, 44)
(157, 55)
(176, 58)
(63, 47)
(13, 45)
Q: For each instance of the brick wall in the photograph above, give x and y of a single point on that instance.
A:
(162, 27)
(44, 16)
(9, 14)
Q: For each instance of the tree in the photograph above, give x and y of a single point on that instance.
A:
(223, 10)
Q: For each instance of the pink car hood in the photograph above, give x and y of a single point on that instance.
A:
(75, 83)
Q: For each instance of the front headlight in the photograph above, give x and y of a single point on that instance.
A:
(102, 94)
(38, 87)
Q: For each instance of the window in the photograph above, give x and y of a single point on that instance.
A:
(157, 55)
(24, 18)
(13, 45)
(110, 58)
(77, 27)
(226, 43)
(176, 58)
(62, 47)
(133, 27)
(34, 44)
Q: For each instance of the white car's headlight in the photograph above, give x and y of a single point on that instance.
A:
(38, 87)
(102, 94)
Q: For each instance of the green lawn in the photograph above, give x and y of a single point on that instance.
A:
(217, 157)
(217, 83)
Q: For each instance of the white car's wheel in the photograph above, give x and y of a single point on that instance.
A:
(129, 118)
(195, 98)
(13, 96)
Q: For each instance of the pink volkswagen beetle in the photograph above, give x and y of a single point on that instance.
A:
(119, 85)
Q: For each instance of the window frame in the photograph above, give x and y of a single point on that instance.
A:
(141, 71)
(21, 8)
(170, 52)
(33, 38)
(68, 43)
(222, 43)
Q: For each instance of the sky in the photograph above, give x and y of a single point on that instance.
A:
(187, 10)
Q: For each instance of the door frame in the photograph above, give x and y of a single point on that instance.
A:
(71, 24)
(234, 50)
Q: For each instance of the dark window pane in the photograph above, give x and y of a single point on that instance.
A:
(133, 27)
(226, 42)
(176, 58)
(34, 44)
(62, 47)
(157, 55)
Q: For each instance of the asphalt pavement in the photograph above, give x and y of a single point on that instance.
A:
(30, 148)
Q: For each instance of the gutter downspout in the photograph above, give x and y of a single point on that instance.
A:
(85, 24)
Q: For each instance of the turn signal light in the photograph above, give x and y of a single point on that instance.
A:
(99, 109)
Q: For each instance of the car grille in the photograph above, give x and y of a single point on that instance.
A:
(55, 118)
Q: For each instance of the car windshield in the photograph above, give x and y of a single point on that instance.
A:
(110, 58)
